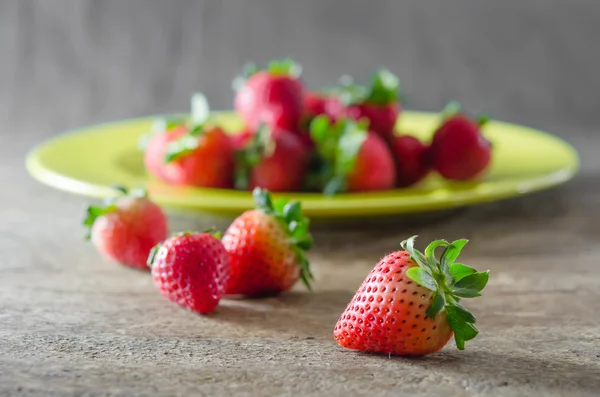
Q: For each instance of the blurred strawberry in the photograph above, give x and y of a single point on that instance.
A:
(195, 153)
(352, 158)
(126, 227)
(273, 96)
(275, 160)
(378, 103)
(459, 151)
(412, 163)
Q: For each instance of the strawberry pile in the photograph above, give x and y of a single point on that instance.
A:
(262, 252)
(340, 139)
(408, 305)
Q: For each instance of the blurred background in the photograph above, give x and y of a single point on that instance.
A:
(70, 63)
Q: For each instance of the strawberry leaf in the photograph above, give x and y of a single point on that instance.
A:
(437, 304)
(181, 147)
(284, 67)
(385, 87)
(263, 200)
(459, 271)
(292, 212)
(430, 252)
(475, 281)
(451, 253)
(152, 254)
(461, 321)
(422, 277)
(200, 109)
(465, 292)
(451, 109)
(416, 255)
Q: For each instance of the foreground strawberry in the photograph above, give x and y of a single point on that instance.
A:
(267, 248)
(352, 158)
(273, 96)
(410, 303)
(378, 103)
(275, 160)
(126, 227)
(191, 270)
(412, 163)
(458, 150)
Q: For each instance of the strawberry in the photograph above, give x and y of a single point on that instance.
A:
(409, 304)
(412, 163)
(275, 160)
(154, 144)
(126, 227)
(458, 150)
(267, 247)
(191, 270)
(198, 154)
(273, 96)
(378, 103)
(352, 158)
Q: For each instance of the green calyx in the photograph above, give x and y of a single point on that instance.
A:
(338, 145)
(276, 67)
(384, 89)
(196, 125)
(454, 108)
(449, 281)
(289, 214)
(93, 212)
(260, 146)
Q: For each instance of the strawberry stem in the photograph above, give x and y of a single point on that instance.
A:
(261, 145)
(450, 282)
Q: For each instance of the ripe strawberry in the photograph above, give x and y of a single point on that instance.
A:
(267, 248)
(191, 270)
(409, 303)
(412, 163)
(352, 158)
(126, 227)
(275, 160)
(191, 153)
(378, 103)
(458, 150)
(273, 96)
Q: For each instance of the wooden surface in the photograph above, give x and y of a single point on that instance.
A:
(74, 324)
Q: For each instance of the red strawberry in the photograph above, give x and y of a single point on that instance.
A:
(126, 227)
(458, 150)
(273, 96)
(409, 303)
(191, 270)
(275, 160)
(193, 153)
(267, 248)
(378, 103)
(412, 163)
(352, 158)
(314, 104)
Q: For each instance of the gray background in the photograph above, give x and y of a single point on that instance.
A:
(68, 63)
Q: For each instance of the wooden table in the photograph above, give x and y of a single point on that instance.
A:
(74, 324)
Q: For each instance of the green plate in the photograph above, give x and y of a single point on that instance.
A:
(90, 160)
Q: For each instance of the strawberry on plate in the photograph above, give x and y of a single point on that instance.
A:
(409, 304)
(191, 270)
(194, 154)
(351, 158)
(378, 103)
(412, 162)
(459, 151)
(267, 247)
(273, 96)
(126, 227)
(275, 160)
